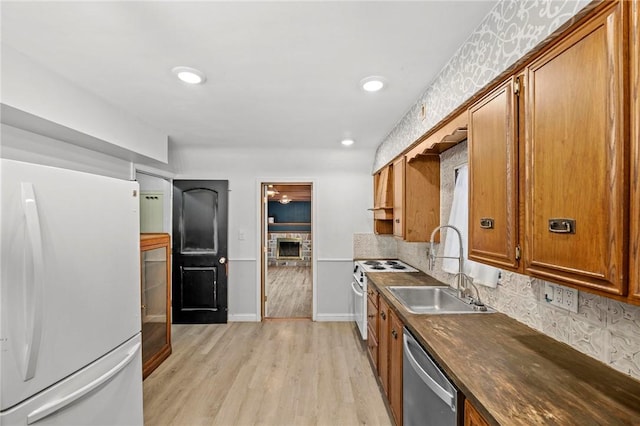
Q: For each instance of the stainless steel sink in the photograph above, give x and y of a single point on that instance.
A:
(433, 300)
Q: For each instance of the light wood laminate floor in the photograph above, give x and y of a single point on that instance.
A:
(271, 373)
(289, 292)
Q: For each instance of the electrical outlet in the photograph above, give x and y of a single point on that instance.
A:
(560, 296)
(557, 296)
(570, 298)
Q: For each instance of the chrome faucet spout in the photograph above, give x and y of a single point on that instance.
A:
(432, 252)
(432, 255)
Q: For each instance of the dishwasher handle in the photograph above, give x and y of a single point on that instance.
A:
(442, 393)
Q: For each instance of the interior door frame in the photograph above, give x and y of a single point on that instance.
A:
(262, 223)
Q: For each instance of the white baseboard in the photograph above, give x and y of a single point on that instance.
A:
(243, 318)
(335, 317)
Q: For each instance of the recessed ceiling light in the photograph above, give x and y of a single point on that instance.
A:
(190, 75)
(347, 142)
(372, 84)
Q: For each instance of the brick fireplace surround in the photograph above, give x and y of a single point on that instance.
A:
(304, 237)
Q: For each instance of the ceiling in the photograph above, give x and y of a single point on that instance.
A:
(279, 74)
(293, 192)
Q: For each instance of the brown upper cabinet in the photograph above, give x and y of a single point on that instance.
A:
(493, 177)
(398, 197)
(383, 201)
(575, 150)
(413, 194)
(634, 242)
(421, 198)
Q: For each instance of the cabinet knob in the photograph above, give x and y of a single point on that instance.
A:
(383, 315)
(394, 333)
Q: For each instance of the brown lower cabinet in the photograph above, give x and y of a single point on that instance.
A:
(383, 344)
(372, 326)
(388, 359)
(472, 417)
(395, 367)
(155, 287)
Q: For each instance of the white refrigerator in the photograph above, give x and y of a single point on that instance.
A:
(70, 348)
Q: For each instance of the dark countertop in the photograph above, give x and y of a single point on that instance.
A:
(513, 374)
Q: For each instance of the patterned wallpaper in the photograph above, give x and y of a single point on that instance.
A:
(508, 32)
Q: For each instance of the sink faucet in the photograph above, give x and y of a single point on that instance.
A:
(432, 256)
(478, 305)
(462, 280)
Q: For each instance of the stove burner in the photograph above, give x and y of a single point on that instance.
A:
(372, 262)
(391, 262)
(377, 267)
(396, 266)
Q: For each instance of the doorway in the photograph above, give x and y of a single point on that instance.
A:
(287, 242)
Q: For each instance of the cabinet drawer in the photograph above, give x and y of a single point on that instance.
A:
(373, 297)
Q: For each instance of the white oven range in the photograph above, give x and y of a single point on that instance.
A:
(359, 285)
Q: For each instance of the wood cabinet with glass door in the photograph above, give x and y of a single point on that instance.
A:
(155, 269)
(576, 203)
(634, 241)
(493, 177)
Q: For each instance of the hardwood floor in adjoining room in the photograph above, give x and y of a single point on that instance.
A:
(271, 373)
(289, 292)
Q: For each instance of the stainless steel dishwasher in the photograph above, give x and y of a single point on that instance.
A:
(429, 398)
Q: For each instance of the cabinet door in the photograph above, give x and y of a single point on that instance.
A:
(634, 241)
(395, 367)
(472, 417)
(575, 149)
(421, 198)
(383, 189)
(383, 345)
(398, 197)
(372, 325)
(155, 271)
(493, 178)
(383, 201)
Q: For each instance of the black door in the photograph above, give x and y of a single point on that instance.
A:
(200, 251)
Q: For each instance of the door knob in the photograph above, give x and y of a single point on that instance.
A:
(222, 260)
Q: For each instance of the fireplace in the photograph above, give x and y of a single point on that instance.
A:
(289, 248)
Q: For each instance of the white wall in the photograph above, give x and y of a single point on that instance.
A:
(156, 184)
(36, 98)
(342, 179)
(21, 145)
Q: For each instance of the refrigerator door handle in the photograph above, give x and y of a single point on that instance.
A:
(35, 289)
(57, 405)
